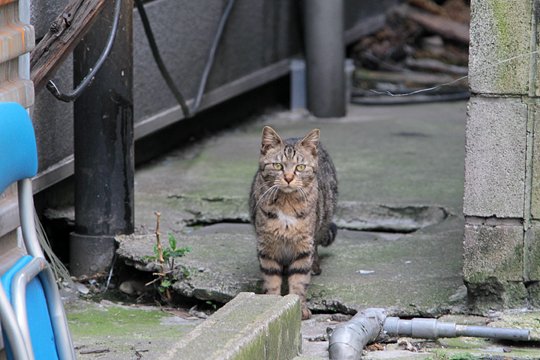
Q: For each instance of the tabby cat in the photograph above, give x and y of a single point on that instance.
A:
(292, 201)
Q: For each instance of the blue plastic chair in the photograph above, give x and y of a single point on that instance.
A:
(33, 319)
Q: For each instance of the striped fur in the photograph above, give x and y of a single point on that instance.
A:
(292, 201)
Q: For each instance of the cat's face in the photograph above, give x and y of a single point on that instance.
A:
(289, 165)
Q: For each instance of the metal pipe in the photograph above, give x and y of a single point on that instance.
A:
(12, 331)
(347, 340)
(325, 57)
(18, 293)
(26, 215)
(64, 343)
(103, 146)
(433, 329)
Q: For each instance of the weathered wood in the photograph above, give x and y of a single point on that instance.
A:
(435, 65)
(427, 5)
(64, 34)
(445, 27)
(411, 79)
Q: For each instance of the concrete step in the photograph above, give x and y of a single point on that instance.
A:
(248, 327)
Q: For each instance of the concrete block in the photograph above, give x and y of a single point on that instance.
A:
(535, 188)
(495, 294)
(493, 252)
(534, 294)
(248, 327)
(532, 254)
(495, 154)
(499, 33)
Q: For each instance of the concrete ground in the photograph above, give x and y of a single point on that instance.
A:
(399, 246)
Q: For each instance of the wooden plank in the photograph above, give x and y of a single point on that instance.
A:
(443, 26)
(64, 34)
(447, 28)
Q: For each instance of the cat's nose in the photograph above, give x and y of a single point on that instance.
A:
(288, 178)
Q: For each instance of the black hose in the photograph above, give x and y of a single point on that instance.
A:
(159, 61)
(207, 68)
(51, 86)
(73, 95)
(211, 56)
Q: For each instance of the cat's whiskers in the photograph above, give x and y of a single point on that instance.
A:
(272, 188)
(275, 193)
(303, 193)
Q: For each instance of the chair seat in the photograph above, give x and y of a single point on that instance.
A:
(41, 331)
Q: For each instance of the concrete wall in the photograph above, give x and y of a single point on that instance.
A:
(502, 172)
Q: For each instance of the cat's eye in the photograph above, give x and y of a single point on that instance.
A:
(300, 167)
(278, 166)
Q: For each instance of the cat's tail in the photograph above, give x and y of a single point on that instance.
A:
(328, 238)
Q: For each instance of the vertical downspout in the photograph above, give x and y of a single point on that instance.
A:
(325, 57)
(104, 161)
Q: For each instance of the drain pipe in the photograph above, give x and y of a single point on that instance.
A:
(433, 329)
(347, 340)
(325, 57)
(103, 146)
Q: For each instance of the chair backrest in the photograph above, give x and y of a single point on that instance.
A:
(33, 317)
(18, 152)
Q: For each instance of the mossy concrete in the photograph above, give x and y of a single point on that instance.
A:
(111, 331)
(500, 48)
(406, 156)
(391, 163)
(374, 269)
(248, 327)
(493, 252)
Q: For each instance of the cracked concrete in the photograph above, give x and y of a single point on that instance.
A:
(400, 240)
(407, 188)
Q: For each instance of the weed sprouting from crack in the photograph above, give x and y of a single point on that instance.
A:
(165, 257)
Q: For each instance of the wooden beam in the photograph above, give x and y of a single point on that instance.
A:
(65, 33)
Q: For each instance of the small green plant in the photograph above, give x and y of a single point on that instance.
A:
(165, 257)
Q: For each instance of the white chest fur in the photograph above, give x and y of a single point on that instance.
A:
(286, 220)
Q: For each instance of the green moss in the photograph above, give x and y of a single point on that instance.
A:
(463, 343)
(120, 321)
(508, 22)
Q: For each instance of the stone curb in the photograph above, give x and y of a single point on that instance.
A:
(248, 327)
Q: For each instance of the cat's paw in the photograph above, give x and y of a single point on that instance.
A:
(316, 269)
(306, 313)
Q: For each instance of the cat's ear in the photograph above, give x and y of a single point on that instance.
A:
(311, 141)
(270, 139)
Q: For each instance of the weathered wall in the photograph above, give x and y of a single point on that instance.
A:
(260, 34)
(259, 39)
(502, 173)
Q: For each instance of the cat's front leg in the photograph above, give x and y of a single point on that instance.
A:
(272, 273)
(299, 277)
